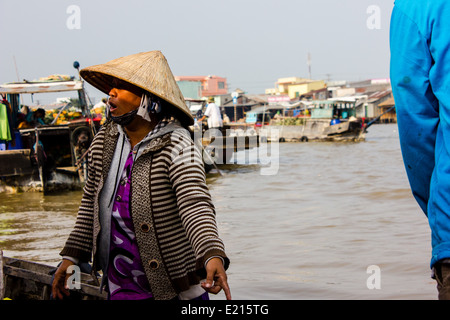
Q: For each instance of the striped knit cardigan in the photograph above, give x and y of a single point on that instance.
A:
(171, 209)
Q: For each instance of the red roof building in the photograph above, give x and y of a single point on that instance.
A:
(210, 85)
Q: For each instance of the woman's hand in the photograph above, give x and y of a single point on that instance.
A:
(59, 285)
(216, 278)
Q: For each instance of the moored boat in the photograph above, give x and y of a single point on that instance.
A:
(47, 156)
(316, 130)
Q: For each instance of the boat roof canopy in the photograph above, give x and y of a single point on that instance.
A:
(40, 87)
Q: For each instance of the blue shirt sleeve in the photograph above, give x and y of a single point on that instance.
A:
(416, 105)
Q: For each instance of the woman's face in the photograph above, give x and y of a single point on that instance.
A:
(123, 98)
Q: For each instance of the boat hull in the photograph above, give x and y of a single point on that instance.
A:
(315, 130)
(56, 163)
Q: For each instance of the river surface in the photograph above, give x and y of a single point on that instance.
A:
(315, 220)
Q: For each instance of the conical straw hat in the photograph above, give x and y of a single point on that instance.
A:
(147, 70)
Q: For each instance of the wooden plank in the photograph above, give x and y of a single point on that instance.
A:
(2, 277)
(72, 171)
(27, 274)
(15, 162)
(47, 279)
(235, 142)
(20, 152)
(31, 271)
(92, 291)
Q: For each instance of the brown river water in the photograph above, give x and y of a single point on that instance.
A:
(327, 221)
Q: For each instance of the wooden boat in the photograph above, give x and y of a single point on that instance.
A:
(47, 157)
(316, 130)
(219, 149)
(25, 280)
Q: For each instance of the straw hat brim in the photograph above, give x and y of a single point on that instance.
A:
(146, 70)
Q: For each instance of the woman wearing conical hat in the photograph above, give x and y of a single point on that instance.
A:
(146, 218)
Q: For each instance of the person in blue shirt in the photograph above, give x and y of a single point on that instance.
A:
(420, 76)
(37, 117)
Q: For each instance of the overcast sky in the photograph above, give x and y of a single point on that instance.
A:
(250, 42)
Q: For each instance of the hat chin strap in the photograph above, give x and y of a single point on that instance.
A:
(149, 104)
